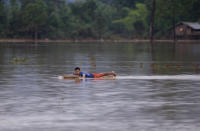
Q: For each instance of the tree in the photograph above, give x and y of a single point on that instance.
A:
(126, 3)
(170, 12)
(134, 18)
(103, 20)
(59, 19)
(34, 15)
(83, 18)
(3, 18)
(26, 2)
(14, 18)
(152, 20)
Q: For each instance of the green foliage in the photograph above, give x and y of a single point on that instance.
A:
(3, 19)
(98, 19)
(135, 18)
(169, 11)
(104, 14)
(14, 18)
(34, 14)
(126, 3)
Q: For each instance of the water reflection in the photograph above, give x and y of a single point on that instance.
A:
(155, 89)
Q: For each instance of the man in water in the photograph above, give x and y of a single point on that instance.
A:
(92, 75)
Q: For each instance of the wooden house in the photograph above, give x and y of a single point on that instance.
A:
(188, 30)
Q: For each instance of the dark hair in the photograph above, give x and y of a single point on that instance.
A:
(77, 68)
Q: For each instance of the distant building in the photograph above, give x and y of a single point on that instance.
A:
(188, 30)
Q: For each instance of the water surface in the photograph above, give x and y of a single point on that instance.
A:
(157, 87)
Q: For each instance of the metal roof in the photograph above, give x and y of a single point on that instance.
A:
(193, 25)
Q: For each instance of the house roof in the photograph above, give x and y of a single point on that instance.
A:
(193, 25)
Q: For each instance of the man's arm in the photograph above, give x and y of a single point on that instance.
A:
(83, 76)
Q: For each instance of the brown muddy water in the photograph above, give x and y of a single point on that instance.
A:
(157, 87)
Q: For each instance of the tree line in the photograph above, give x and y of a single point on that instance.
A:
(93, 19)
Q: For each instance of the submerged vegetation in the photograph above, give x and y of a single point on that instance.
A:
(92, 19)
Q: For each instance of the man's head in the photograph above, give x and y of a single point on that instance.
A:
(77, 70)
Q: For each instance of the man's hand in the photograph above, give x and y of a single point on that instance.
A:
(83, 76)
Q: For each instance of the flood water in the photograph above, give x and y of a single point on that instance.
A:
(157, 87)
